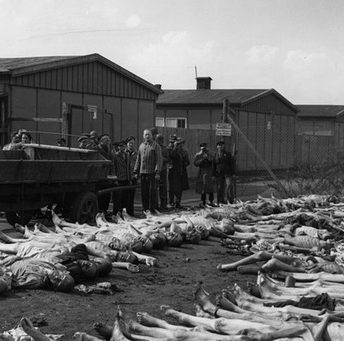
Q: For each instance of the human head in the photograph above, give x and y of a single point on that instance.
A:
(203, 146)
(61, 281)
(26, 138)
(82, 141)
(147, 135)
(115, 146)
(61, 142)
(122, 146)
(104, 140)
(179, 142)
(159, 139)
(172, 138)
(154, 132)
(130, 142)
(220, 145)
(15, 137)
(93, 134)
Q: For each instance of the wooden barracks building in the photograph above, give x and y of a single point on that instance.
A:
(73, 95)
(266, 118)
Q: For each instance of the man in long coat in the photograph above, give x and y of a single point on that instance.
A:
(177, 175)
(205, 180)
(224, 169)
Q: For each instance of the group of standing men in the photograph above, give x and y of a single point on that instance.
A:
(216, 174)
(158, 165)
(162, 171)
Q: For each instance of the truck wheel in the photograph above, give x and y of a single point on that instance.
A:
(19, 217)
(84, 208)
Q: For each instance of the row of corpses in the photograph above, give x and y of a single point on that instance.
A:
(295, 248)
(309, 307)
(69, 255)
(234, 315)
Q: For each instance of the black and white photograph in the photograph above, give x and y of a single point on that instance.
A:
(172, 170)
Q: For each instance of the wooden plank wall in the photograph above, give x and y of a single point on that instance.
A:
(312, 149)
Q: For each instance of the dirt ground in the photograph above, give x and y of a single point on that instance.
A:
(171, 283)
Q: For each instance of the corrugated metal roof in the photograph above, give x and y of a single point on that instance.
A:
(21, 66)
(208, 96)
(330, 111)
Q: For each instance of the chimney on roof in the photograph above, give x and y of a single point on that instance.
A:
(203, 82)
(158, 86)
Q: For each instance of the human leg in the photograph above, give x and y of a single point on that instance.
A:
(178, 199)
(220, 188)
(203, 198)
(258, 256)
(211, 197)
(163, 189)
(145, 186)
(152, 184)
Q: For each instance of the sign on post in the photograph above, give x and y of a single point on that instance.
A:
(223, 129)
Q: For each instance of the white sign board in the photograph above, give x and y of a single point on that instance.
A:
(93, 109)
(223, 129)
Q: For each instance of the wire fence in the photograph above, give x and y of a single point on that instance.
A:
(273, 161)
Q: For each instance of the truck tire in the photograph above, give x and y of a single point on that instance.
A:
(19, 217)
(84, 208)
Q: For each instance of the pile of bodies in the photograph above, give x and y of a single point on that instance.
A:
(66, 257)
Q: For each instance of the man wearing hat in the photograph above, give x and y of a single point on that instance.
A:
(154, 132)
(205, 183)
(177, 175)
(163, 174)
(122, 171)
(223, 172)
(132, 155)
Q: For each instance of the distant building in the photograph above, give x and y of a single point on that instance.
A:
(320, 132)
(266, 117)
(73, 94)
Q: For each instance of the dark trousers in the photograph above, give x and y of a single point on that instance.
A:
(120, 198)
(225, 189)
(211, 197)
(163, 189)
(130, 203)
(148, 192)
(175, 195)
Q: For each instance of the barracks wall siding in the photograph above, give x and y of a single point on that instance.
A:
(125, 107)
(268, 123)
(129, 116)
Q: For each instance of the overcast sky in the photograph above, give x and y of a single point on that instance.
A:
(294, 46)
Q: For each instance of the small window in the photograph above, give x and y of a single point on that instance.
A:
(159, 122)
(176, 122)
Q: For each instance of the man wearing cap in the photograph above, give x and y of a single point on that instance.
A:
(177, 173)
(123, 174)
(132, 155)
(154, 132)
(223, 171)
(148, 166)
(205, 183)
(163, 173)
